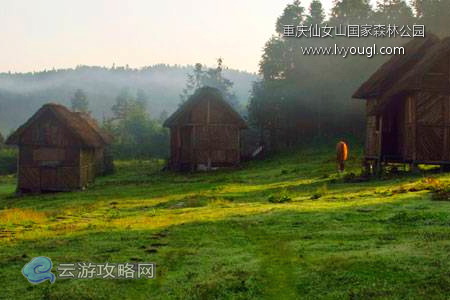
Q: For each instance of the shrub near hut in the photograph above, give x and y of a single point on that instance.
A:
(8, 161)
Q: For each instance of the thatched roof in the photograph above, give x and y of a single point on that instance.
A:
(87, 134)
(396, 67)
(105, 136)
(412, 79)
(202, 93)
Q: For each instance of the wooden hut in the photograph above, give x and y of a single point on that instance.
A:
(204, 132)
(103, 157)
(408, 106)
(58, 150)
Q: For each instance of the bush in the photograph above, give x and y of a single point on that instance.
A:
(440, 191)
(321, 191)
(283, 197)
(429, 183)
(8, 161)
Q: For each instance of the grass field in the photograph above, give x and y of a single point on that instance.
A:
(285, 228)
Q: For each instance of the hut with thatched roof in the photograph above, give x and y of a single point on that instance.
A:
(204, 132)
(408, 106)
(59, 150)
(104, 163)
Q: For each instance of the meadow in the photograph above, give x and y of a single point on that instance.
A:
(287, 227)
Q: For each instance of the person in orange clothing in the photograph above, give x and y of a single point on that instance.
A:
(341, 155)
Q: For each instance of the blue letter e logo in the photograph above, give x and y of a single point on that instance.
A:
(39, 269)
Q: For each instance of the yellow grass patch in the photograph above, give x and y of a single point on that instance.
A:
(21, 215)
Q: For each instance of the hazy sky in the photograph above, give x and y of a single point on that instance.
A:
(43, 34)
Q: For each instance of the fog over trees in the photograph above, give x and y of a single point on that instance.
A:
(305, 97)
(22, 94)
(293, 99)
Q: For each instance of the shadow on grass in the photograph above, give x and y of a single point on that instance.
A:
(397, 250)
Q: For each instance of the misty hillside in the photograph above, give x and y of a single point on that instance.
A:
(22, 94)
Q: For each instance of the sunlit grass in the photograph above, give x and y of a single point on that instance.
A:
(15, 216)
(219, 236)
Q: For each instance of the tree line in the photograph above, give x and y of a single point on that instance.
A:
(136, 132)
(138, 135)
(303, 97)
(8, 161)
(21, 94)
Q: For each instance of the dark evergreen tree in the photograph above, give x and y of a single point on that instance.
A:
(316, 13)
(351, 12)
(302, 97)
(293, 14)
(136, 134)
(142, 100)
(394, 12)
(2, 141)
(79, 101)
(212, 77)
(122, 107)
(435, 14)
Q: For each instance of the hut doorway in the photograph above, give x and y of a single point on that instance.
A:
(390, 125)
(186, 147)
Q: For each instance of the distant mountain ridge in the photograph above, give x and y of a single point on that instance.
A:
(21, 94)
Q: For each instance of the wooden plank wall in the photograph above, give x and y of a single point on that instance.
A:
(432, 123)
(409, 145)
(372, 135)
(208, 137)
(87, 167)
(48, 168)
(52, 159)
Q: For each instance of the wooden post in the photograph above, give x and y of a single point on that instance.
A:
(414, 165)
(380, 148)
(238, 146)
(178, 148)
(367, 167)
(446, 148)
(193, 154)
(18, 170)
(445, 112)
(209, 133)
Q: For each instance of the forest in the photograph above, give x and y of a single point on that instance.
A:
(21, 94)
(130, 103)
(302, 97)
(282, 224)
(283, 104)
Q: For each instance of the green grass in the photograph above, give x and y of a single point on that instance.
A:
(288, 227)
(8, 160)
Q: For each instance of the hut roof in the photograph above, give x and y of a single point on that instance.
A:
(434, 55)
(105, 136)
(389, 73)
(201, 93)
(88, 136)
(411, 80)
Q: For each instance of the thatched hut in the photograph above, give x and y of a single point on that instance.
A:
(103, 157)
(59, 150)
(408, 106)
(204, 132)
